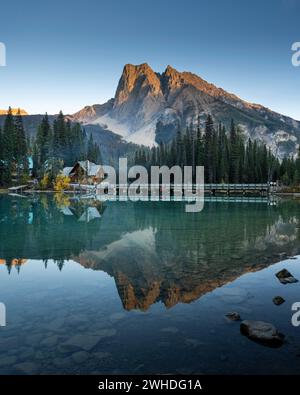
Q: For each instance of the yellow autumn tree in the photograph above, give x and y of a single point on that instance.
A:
(61, 183)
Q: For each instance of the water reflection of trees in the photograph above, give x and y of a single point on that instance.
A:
(61, 227)
(154, 250)
(38, 228)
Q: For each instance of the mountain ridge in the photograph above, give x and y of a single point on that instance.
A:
(145, 99)
(14, 111)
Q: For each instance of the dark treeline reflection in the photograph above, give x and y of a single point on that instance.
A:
(46, 227)
(154, 250)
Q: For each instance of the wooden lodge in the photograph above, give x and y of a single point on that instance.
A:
(85, 172)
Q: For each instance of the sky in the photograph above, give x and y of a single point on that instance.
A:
(64, 55)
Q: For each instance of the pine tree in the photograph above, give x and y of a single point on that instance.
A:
(8, 137)
(90, 148)
(188, 147)
(234, 154)
(44, 141)
(93, 151)
(179, 149)
(77, 144)
(153, 156)
(36, 169)
(208, 149)
(60, 141)
(20, 150)
(242, 177)
(199, 154)
(297, 168)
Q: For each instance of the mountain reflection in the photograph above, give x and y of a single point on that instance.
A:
(154, 250)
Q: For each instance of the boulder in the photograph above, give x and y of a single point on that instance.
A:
(262, 332)
(285, 277)
(233, 316)
(278, 300)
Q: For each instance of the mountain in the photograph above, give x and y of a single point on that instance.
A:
(14, 111)
(149, 106)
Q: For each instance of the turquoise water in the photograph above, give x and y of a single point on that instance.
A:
(143, 287)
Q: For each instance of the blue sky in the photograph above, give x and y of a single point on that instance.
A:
(65, 55)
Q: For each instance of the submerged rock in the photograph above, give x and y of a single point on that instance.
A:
(233, 316)
(262, 332)
(86, 342)
(285, 277)
(80, 356)
(278, 300)
(50, 341)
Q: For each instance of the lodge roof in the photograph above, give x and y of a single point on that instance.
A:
(90, 168)
(67, 170)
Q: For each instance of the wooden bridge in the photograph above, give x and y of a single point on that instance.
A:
(212, 189)
(262, 189)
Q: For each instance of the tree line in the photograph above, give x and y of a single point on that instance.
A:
(55, 146)
(225, 155)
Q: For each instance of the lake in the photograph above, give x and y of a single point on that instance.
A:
(143, 287)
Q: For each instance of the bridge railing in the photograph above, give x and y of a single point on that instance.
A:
(187, 186)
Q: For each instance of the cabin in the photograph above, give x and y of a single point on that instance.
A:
(85, 172)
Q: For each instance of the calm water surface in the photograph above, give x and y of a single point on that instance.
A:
(124, 287)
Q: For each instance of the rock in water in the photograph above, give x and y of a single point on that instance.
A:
(262, 332)
(285, 277)
(278, 300)
(233, 316)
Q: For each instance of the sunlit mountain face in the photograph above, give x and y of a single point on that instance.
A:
(148, 108)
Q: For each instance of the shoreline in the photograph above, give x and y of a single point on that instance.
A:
(4, 191)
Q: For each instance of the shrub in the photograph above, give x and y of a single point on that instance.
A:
(61, 183)
(45, 182)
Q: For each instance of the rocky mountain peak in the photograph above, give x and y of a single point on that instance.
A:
(170, 71)
(134, 78)
(171, 79)
(148, 107)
